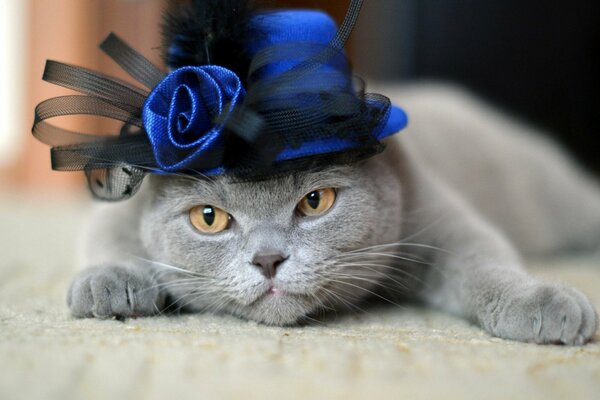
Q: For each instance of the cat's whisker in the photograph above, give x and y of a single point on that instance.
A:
(424, 246)
(382, 271)
(380, 274)
(365, 254)
(191, 296)
(344, 264)
(378, 267)
(215, 305)
(364, 290)
(402, 270)
(375, 281)
(204, 290)
(376, 250)
(337, 298)
(166, 266)
(320, 302)
(377, 246)
(378, 259)
(426, 228)
(396, 250)
(185, 283)
(175, 284)
(356, 277)
(408, 256)
(403, 244)
(312, 320)
(157, 309)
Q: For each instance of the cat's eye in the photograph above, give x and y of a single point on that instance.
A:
(209, 219)
(317, 202)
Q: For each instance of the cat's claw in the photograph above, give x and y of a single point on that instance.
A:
(113, 292)
(544, 314)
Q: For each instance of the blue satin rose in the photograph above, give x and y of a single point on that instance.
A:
(179, 116)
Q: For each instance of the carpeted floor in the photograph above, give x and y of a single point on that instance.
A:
(404, 353)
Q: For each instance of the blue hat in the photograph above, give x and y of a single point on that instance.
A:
(309, 26)
(291, 103)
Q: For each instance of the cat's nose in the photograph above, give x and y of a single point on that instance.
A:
(268, 263)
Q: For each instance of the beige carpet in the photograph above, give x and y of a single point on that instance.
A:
(403, 353)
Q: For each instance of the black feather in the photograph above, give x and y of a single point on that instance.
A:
(203, 32)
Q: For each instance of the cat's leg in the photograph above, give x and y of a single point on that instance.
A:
(476, 273)
(114, 291)
(115, 281)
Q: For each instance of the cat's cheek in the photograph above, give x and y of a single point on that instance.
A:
(356, 223)
(151, 236)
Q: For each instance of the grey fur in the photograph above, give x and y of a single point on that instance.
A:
(431, 217)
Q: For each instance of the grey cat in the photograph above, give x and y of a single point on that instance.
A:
(441, 215)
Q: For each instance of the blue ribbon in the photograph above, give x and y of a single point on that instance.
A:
(181, 112)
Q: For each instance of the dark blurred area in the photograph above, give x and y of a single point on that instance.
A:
(539, 60)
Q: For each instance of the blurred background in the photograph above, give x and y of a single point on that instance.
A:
(538, 59)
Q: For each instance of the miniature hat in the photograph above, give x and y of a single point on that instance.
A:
(250, 93)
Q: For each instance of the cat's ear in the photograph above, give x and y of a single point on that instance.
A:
(203, 32)
(114, 183)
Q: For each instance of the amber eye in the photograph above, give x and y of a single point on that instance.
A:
(209, 219)
(317, 202)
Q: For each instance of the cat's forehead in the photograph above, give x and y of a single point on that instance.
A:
(239, 193)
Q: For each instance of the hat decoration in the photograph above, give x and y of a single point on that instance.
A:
(250, 93)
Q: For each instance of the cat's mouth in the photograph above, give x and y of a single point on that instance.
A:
(278, 305)
(274, 291)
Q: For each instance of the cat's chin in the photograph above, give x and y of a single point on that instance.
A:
(278, 309)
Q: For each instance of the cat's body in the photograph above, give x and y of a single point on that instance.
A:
(433, 216)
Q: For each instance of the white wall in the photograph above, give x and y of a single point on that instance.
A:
(13, 53)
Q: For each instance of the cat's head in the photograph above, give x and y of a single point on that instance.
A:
(269, 259)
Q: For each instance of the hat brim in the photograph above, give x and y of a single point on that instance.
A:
(397, 121)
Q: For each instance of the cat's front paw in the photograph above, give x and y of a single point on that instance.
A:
(106, 292)
(544, 313)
